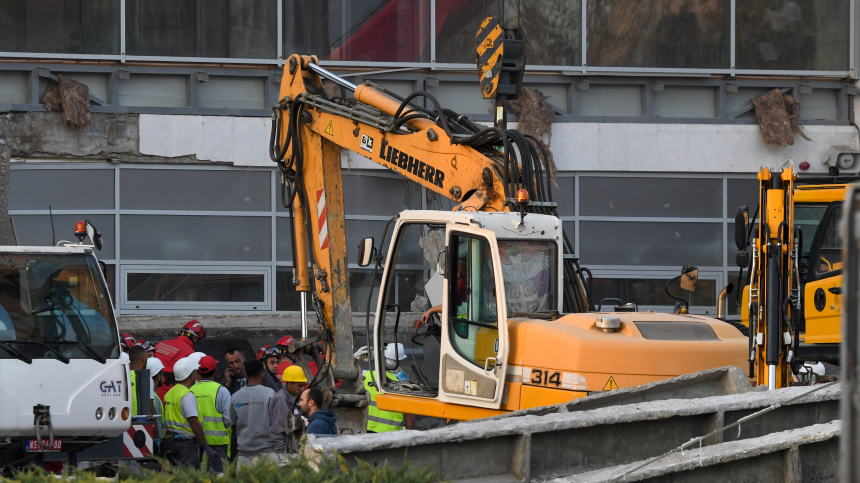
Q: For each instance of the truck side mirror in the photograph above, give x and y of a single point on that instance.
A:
(742, 221)
(94, 235)
(365, 252)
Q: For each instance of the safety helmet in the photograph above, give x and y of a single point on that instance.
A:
(283, 345)
(128, 341)
(294, 374)
(147, 345)
(193, 329)
(390, 349)
(266, 352)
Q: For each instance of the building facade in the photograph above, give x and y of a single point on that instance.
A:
(654, 137)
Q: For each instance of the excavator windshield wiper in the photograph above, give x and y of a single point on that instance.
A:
(7, 346)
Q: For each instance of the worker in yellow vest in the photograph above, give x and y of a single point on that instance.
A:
(213, 407)
(379, 421)
(181, 418)
(136, 362)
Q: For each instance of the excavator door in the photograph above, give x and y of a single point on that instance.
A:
(474, 348)
(823, 289)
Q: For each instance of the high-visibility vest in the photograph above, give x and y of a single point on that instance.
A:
(133, 392)
(159, 422)
(174, 421)
(380, 421)
(213, 422)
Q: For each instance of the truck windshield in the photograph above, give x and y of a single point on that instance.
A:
(530, 272)
(55, 306)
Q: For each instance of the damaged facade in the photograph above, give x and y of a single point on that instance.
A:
(647, 108)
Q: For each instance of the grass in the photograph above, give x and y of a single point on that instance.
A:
(297, 472)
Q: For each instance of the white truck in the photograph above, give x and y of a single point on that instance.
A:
(63, 385)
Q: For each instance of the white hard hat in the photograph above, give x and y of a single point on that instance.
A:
(184, 367)
(154, 365)
(196, 356)
(361, 353)
(389, 352)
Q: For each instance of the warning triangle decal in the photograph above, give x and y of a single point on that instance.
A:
(329, 130)
(610, 384)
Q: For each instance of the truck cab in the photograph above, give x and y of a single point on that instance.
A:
(63, 385)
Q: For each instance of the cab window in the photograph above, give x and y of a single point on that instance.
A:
(827, 249)
(530, 273)
(472, 311)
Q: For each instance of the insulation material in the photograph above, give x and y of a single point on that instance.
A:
(536, 119)
(52, 99)
(71, 98)
(777, 118)
(792, 107)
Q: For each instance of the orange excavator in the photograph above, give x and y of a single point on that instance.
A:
(515, 328)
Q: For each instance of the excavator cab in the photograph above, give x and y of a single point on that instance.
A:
(481, 269)
(823, 280)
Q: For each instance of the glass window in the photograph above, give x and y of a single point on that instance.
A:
(553, 27)
(55, 304)
(216, 238)
(284, 240)
(61, 189)
(686, 102)
(195, 190)
(658, 33)
(361, 195)
(60, 26)
(287, 299)
(828, 250)
(792, 34)
(564, 193)
(741, 192)
(190, 28)
(530, 273)
(195, 287)
(232, 93)
(472, 293)
(41, 230)
(650, 292)
(651, 244)
(369, 31)
(653, 197)
(610, 101)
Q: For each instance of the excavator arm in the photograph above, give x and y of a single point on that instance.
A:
(479, 168)
(774, 301)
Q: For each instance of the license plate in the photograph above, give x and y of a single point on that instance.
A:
(32, 446)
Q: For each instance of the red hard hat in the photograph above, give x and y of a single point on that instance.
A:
(260, 352)
(267, 352)
(286, 340)
(195, 329)
(128, 341)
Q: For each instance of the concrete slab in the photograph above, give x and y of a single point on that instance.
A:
(804, 454)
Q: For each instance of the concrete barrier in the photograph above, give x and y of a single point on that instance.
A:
(562, 444)
(793, 456)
